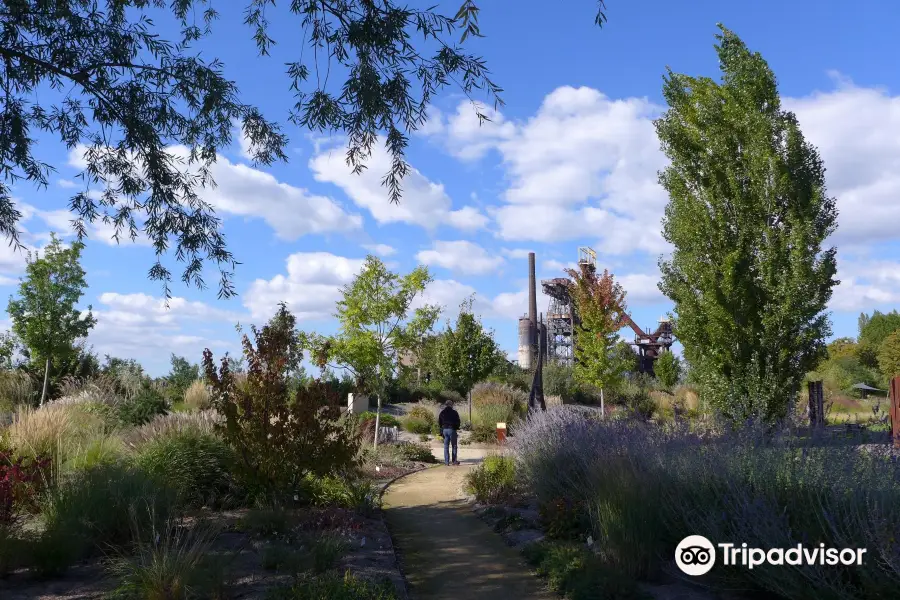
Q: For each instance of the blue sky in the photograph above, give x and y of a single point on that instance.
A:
(569, 161)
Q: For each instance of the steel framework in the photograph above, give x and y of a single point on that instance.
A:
(562, 318)
(560, 321)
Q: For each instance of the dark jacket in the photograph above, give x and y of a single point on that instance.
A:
(448, 419)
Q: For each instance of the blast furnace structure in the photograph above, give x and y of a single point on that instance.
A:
(557, 333)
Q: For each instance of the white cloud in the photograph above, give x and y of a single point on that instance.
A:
(434, 122)
(240, 190)
(246, 146)
(516, 252)
(66, 183)
(424, 202)
(512, 305)
(852, 296)
(12, 259)
(558, 266)
(380, 249)
(154, 309)
(291, 211)
(140, 326)
(641, 288)
(583, 164)
(310, 288)
(462, 256)
(59, 221)
(857, 132)
(467, 218)
(472, 138)
(866, 285)
(449, 294)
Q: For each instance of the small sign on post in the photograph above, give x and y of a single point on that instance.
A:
(895, 411)
(501, 433)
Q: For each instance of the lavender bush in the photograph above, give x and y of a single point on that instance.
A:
(644, 488)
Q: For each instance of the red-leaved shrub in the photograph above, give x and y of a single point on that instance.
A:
(20, 482)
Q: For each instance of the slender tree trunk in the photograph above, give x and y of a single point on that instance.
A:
(470, 407)
(602, 404)
(377, 422)
(46, 380)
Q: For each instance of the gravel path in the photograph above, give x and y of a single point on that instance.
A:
(444, 549)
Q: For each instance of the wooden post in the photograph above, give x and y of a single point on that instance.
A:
(895, 411)
(501, 433)
(816, 405)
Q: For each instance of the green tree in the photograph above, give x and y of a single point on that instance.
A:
(466, 354)
(600, 305)
(626, 355)
(377, 324)
(45, 315)
(889, 356)
(668, 370)
(180, 377)
(861, 323)
(876, 329)
(747, 216)
(9, 351)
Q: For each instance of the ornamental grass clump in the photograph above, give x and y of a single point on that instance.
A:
(420, 419)
(494, 403)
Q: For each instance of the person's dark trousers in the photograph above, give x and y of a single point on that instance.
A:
(449, 438)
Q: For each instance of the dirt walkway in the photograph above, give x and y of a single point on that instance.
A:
(445, 550)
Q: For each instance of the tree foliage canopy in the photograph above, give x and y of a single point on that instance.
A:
(668, 370)
(889, 355)
(45, 316)
(181, 375)
(377, 324)
(873, 331)
(748, 214)
(600, 305)
(467, 353)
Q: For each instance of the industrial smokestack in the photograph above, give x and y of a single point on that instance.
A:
(532, 290)
(532, 309)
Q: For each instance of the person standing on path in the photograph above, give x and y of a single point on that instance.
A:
(448, 422)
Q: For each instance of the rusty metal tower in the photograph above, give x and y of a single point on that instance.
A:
(561, 316)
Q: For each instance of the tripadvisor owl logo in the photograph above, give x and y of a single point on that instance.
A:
(695, 555)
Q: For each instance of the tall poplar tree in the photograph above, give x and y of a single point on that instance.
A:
(748, 214)
(45, 315)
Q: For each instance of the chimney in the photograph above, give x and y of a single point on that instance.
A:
(532, 306)
(532, 290)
